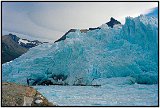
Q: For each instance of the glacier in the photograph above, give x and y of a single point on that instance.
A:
(128, 52)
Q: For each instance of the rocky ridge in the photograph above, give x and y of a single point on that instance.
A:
(19, 95)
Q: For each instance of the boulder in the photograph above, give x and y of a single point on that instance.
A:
(84, 30)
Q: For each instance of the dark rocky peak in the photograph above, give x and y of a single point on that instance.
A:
(94, 28)
(14, 37)
(64, 36)
(112, 22)
(71, 30)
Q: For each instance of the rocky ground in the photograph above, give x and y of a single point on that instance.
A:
(19, 95)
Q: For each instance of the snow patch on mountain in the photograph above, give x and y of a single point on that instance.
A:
(23, 41)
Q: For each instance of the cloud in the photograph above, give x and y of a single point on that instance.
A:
(50, 20)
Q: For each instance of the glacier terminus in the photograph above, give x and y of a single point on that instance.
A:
(105, 57)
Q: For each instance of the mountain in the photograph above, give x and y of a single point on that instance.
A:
(10, 48)
(71, 30)
(13, 47)
(111, 24)
(28, 44)
(64, 36)
(127, 51)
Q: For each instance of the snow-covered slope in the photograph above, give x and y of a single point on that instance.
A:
(128, 51)
(28, 44)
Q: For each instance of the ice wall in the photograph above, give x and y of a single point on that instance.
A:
(130, 50)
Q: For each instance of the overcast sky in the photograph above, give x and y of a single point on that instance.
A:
(48, 21)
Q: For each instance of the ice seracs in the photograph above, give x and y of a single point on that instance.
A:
(84, 58)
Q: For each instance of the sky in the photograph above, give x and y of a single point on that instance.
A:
(48, 21)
